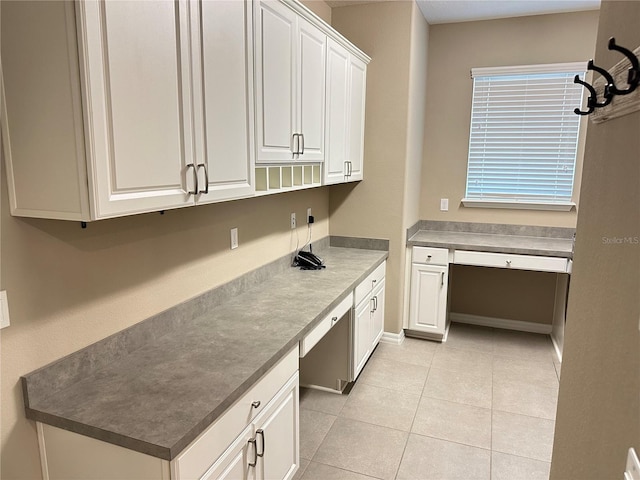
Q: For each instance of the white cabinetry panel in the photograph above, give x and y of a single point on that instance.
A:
(223, 59)
(427, 311)
(276, 93)
(137, 87)
(346, 83)
(290, 59)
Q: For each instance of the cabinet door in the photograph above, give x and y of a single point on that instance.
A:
(428, 307)
(222, 40)
(337, 113)
(355, 139)
(312, 45)
(377, 318)
(133, 57)
(276, 37)
(233, 464)
(362, 335)
(277, 435)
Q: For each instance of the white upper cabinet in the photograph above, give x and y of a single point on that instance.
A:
(148, 106)
(346, 88)
(137, 111)
(290, 62)
(222, 43)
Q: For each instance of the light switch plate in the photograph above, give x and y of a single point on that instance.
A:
(293, 221)
(4, 310)
(444, 204)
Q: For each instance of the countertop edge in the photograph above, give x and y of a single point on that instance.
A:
(169, 453)
(491, 248)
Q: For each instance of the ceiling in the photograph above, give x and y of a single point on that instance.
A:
(451, 11)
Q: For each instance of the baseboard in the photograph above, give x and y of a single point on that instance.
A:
(394, 338)
(501, 323)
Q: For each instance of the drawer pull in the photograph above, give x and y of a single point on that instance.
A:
(255, 452)
(255, 404)
(334, 320)
(428, 257)
(508, 263)
(261, 433)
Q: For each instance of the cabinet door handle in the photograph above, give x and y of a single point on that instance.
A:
(195, 179)
(346, 168)
(350, 167)
(375, 303)
(301, 152)
(255, 404)
(261, 433)
(255, 452)
(206, 177)
(442, 279)
(294, 144)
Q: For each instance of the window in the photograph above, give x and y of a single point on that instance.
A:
(524, 136)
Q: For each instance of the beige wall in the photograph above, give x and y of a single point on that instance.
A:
(599, 403)
(320, 8)
(395, 79)
(69, 287)
(416, 117)
(453, 50)
(373, 208)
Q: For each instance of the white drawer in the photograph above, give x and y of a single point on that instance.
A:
(319, 331)
(194, 460)
(368, 283)
(506, 260)
(430, 255)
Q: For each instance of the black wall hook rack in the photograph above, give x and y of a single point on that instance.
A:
(610, 89)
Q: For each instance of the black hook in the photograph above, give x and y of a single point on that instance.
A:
(591, 101)
(608, 94)
(634, 71)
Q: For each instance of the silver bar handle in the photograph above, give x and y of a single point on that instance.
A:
(350, 168)
(255, 404)
(375, 303)
(206, 177)
(442, 279)
(261, 433)
(346, 168)
(295, 145)
(255, 452)
(195, 178)
(302, 149)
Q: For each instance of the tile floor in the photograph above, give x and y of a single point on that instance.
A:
(480, 406)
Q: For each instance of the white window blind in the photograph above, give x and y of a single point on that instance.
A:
(524, 134)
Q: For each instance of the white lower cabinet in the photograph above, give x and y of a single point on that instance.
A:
(429, 285)
(257, 438)
(268, 448)
(368, 322)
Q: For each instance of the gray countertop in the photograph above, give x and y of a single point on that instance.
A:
(525, 240)
(159, 397)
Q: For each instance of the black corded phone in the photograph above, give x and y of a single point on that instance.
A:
(308, 261)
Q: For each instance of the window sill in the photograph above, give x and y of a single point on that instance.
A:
(523, 205)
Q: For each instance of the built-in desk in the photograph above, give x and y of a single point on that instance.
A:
(433, 246)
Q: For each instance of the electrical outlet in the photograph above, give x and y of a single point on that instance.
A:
(293, 221)
(444, 204)
(234, 238)
(4, 310)
(308, 214)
